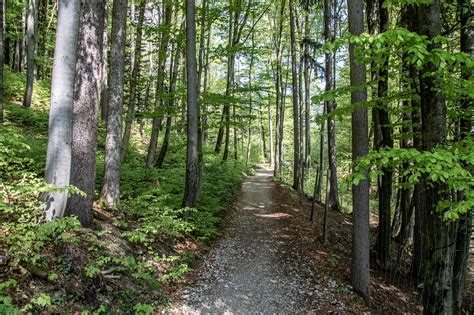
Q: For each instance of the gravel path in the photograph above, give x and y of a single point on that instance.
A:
(259, 265)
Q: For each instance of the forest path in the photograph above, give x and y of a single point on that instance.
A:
(261, 263)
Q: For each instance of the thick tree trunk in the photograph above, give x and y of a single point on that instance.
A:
(463, 236)
(438, 236)
(85, 115)
(113, 141)
(296, 124)
(192, 154)
(30, 51)
(134, 80)
(360, 271)
(58, 155)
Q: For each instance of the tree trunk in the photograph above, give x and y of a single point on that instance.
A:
(171, 101)
(330, 106)
(385, 187)
(307, 85)
(156, 123)
(58, 155)
(294, 74)
(105, 60)
(192, 154)
(360, 271)
(111, 187)
(85, 116)
(270, 130)
(319, 181)
(278, 92)
(438, 236)
(134, 80)
(463, 236)
(30, 51)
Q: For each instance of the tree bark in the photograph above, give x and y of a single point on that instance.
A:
(463, 236)
(134, 80)
(58, 155)
(385, 184)
(360, 271)
(111, 187)
(296, 127)
(330, 107)
(156, 123)
(438, 236)
(31, 23)
(192, 155)
(85, 115)
(171, 101)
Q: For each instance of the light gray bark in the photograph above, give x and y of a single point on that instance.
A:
(113, 141)
(58, 156)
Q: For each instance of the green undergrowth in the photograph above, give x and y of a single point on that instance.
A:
(129, 260)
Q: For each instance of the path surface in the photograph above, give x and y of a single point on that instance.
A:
(260, 265)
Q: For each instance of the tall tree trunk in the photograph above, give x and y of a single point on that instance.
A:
(156, 123)
(134, 80)
(294, 74)
(360, 270)
(111, 187)
(385, 187)
(58, 155)
(170, 107)
(438, 236)
(85, 115)
(278, 92)
(30, 51)
(330, 107)
(463, 236)
(307, 104)
(192, 154)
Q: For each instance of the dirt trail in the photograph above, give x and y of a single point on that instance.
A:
(261, 264)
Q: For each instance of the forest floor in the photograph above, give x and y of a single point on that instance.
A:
(271, 259)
